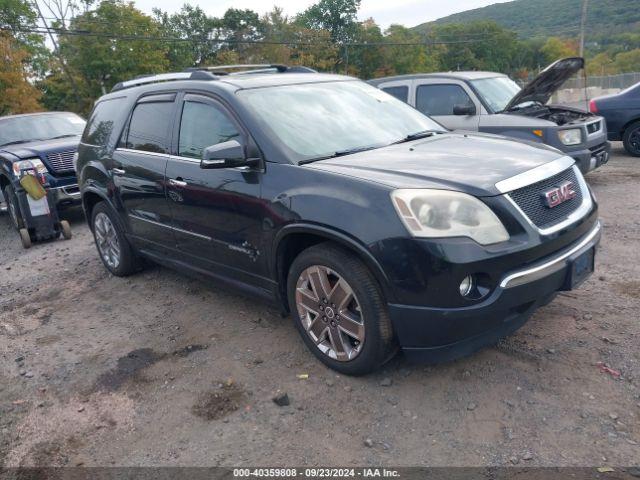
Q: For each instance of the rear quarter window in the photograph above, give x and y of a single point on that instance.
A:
(400, 92)
(102, 120)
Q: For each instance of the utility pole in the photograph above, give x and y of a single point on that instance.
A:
(583, 23)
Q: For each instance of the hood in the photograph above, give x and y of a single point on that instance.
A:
(470, 163)
(41, 148)
(547, 82)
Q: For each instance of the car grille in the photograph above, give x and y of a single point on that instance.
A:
(530, 199)
(61, 161)
(594, 127)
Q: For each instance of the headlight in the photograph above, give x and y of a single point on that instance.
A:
(441, 213)
(570, 137)
(34, 163)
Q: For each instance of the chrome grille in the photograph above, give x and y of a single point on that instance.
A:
(530, 199)
(61, 161)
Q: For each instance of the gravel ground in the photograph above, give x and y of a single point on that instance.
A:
(162, 369)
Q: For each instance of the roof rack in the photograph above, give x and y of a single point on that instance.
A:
(164, 77)
(210, 73)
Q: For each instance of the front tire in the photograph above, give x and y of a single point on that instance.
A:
(13, 207)
(631, 139)
(339, 310)
(114, 249)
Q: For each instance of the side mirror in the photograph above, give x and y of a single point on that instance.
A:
(228, 154)
(468, 109)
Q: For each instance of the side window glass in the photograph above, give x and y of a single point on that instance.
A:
(440, 99)
(201, 126)
(149, 127)
(400, 92)
(100, 125)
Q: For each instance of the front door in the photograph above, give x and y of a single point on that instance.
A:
(138, 170)
(438, 100)
(217, 213)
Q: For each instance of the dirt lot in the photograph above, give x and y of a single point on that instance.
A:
(161, 369)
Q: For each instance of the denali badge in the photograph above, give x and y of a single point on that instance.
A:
(561, 194)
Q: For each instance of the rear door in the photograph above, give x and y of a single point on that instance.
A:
(139, 164)
(217, 213)
(438, 97)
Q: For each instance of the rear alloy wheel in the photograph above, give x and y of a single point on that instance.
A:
(631, 139)
(114, 248)
(339, 310)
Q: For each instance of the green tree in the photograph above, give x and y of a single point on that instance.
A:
(627, 61)
(556, 48)
(19, 18)
(338, 17)
(120, 43)
(194, 28)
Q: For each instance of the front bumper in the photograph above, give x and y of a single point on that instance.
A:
(66, 196)
(592, 157)
(434, 335)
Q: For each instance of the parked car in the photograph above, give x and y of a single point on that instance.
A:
(493, 103)
(49, 142)
(370, 223)
(622, 113)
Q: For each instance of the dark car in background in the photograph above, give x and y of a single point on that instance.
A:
(622, 112)
(375, 227)
(49, 142)
(493, 103)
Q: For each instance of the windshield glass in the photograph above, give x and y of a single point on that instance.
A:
(39, 127)
(319, 119)
(497, 92)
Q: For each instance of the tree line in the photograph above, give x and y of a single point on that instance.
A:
(63, 54)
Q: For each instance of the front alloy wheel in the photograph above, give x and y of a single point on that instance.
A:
(339, 309)
(330, 313)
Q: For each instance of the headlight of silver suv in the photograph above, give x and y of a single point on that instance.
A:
(572, 136)
(441, 213)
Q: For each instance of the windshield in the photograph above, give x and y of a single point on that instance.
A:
(316, 120)
(39, 127)
(496, 92)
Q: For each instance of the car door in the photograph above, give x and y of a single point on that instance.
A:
(217, 213)
(437, 99)
(138, 169)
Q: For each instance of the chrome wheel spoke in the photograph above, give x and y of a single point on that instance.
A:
(320, 282)
(107, 240)
(338, 344)
(307, 300)
(318, 330)
(351, 326)
(341, 294)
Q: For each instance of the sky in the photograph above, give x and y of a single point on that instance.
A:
(384, 12)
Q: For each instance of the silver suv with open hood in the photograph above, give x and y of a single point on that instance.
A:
(493, 103)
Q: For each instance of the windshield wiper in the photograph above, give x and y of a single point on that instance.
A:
(340, 153)
(417, 135)
(66, 135)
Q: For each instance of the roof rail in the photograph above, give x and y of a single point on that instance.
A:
(250, 68)
(163, 77)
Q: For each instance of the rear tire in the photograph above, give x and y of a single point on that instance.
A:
(25, 237)
(114, 249)
(66, 229)
(631, 139)
(14, 209)
(346, 327)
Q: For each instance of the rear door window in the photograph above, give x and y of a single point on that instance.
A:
(440, 99)
(149, 127)
(400, 92)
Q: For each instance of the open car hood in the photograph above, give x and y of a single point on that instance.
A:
(550, 79)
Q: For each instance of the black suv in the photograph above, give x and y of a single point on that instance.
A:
(49, 142)
(375, 226)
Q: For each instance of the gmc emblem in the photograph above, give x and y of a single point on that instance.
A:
(561, 194)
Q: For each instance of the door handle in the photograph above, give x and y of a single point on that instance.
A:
(177, 182)
(118, 171)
